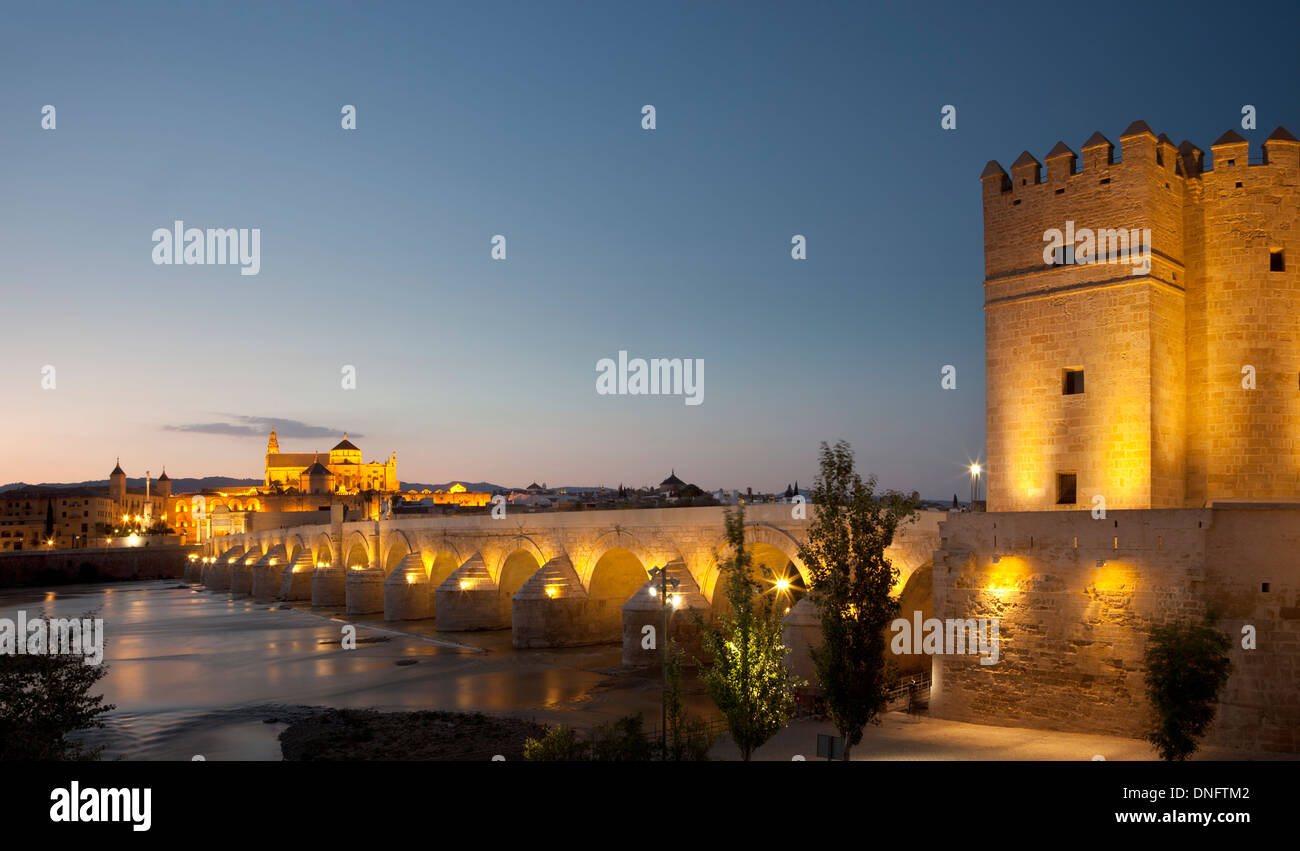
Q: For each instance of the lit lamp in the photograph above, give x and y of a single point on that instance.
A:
(974, 484)
(665, 582)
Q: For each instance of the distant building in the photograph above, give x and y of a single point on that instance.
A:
(344, 471)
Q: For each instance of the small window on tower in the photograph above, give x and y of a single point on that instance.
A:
(1073, 383)
(1276, 260)
(1065, 488)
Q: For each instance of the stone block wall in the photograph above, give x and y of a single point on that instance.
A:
(1075, 597)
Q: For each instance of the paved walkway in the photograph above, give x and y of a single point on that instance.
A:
(915, 737)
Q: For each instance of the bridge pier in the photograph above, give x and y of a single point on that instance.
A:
(801, 630)
(408, 593)
(642, 647)
(193, 569)
(468, 599)
(553, 609)
(211, 575)
(364, 590)
(241, 574)
(267, 574)
(295, 579)
(329, 586)
(219, 578)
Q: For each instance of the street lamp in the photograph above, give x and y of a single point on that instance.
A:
(665, 582)
(974, 484)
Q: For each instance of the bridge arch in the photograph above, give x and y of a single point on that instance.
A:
(516, 568)
(616, 574)
(509, 548)
(322, 549)
(441, 557)
(399, 546)
(294, 546)
(770, 546)
(356, 550)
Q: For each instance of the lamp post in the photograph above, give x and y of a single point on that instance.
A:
(974, 484)
(665, 581)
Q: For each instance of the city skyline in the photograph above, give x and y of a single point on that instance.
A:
(672, 243)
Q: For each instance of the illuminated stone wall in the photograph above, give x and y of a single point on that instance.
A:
(1073, 632)
(1163, 420)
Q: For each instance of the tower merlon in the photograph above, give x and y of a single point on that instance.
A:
(1098, 152)
(1138, 143)
(995, 179)
(1026, 171)
(1281, 148)
(1230, 151)
(1060, 163)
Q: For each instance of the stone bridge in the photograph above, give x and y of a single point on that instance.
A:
(554, 579)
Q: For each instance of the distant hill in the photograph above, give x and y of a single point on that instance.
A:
(477, 487)
(190, 485)
(181, 485)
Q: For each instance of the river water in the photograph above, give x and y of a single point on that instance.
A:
(196, 673)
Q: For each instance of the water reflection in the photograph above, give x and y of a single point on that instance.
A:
(195, 672)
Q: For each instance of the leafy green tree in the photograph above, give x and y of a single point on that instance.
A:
(1187, 665)
(43, 698)
(747, 677)
(688, 737)
(851, 582)
(623, 740)
(560, 744)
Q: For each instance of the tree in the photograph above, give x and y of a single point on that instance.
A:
(688, 738)
(43, 697)
(747, 677)
(851, 584)
(1187, 665)
(49, 519)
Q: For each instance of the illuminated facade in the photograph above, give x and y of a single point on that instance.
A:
(1173, 387)
(341, 471)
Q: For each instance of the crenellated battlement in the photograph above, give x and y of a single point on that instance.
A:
(1140, 149)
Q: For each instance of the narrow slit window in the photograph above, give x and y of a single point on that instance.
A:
(1072, 382)
(1276, 260)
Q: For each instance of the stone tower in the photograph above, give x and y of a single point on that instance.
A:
(117, 484)
(1123, 302)
(164, 485)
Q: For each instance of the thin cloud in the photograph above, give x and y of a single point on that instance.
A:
(243, 426)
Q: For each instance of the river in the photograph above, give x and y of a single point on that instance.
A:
(195, 673)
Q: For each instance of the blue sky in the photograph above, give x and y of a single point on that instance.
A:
(524, 119)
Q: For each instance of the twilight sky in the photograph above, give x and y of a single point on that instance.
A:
(524, 119)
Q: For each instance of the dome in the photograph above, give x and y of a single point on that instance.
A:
(345, 444)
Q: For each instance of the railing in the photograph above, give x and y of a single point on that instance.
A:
(911, 695)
